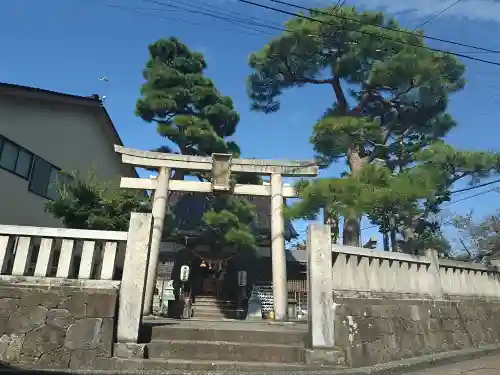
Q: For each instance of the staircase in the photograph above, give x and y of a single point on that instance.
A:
(212, 308)
(237, 346)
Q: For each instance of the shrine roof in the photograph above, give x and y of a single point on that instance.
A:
(188, 210)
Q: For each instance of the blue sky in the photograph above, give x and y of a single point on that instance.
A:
(67, 45)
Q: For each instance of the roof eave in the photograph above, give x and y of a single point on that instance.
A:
(93, 102)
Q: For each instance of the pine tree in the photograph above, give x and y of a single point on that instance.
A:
(401, 204)
(229, 223)
(389, 92)
(444, 166)
(185, 105)
(87, 203)
(197, 120)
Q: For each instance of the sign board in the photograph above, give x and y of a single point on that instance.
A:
(242, 278)
(184, 273)
(221, 172)
(168, 293)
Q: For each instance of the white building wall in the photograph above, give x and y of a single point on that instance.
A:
(68, 136)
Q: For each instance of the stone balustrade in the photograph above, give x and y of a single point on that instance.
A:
(368, 273)
(380, 306)
(56, 316)
(469, 279)
(61, 252)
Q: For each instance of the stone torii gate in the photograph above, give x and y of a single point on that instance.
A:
(221, 166)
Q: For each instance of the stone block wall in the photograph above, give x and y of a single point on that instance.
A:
(378, 331)
(58, 327)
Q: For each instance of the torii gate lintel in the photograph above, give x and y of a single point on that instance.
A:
(221, 166)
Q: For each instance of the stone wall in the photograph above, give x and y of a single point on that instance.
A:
(378, 331)
(57, 327)
(389, 306)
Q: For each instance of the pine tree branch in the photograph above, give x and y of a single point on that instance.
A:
(312, 80)
(339, 93)
(296, 79)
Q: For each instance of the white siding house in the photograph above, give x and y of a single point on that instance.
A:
(42, 132)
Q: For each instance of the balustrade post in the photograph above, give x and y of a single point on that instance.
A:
(437, 287)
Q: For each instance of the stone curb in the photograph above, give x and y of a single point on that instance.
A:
(391, 368)
(421, 363)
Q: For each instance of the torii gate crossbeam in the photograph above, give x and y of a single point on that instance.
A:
(221, 166)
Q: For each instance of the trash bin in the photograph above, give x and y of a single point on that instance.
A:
(292, 309)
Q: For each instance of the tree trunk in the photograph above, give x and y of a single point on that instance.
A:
(386, 241)
(394, 241)
(393, 233)
(409, 240)
(351, 231)
(332, 220)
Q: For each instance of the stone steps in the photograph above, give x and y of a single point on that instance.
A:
(214, 315)
(212, 299)
(201, 367)
(214, 305)
(209, 307)
(224, 351)
(256, 335)
(198, 346)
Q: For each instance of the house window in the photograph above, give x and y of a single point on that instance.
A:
(15, 159)
(45, 179)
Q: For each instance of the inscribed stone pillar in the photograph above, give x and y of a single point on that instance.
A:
(159, 209)
(321, 313)
(280, 293)
(130, 301)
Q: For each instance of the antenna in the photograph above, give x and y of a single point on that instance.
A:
(105, 80)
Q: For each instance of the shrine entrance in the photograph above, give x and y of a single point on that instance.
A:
(212, 286)
(214, 277)
(221, 167)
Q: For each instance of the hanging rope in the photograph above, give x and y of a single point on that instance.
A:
(210, 260)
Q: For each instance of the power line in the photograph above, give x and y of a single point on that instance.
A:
(241, 22)
(458, 200)
(340, 3)
(388, 28)
(371, 34)
(147, 12)
(461, 199)
(239, 15)
(471, 196)
(437, 14)
(475, 187)
(141, 11)
(217, 15)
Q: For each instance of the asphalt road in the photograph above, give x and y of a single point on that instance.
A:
(483, 366)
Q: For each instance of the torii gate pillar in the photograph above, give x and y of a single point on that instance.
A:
(278, 256)
(221, 166)
(159, 208)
